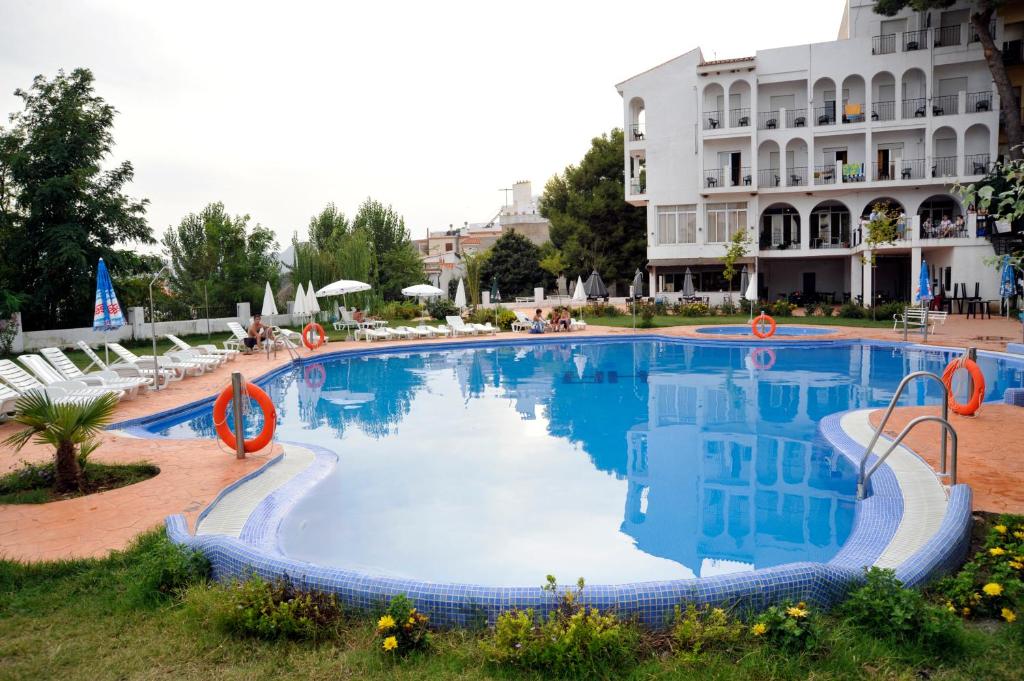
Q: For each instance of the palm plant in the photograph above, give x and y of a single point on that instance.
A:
(70, 428)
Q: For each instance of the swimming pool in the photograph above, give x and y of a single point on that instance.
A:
(779, 331)
(638, 462)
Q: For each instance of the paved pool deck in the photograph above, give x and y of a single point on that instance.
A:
(193, 472)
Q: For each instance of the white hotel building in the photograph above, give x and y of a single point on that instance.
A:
(797, 144)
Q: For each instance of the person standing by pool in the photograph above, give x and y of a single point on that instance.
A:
(258, 331)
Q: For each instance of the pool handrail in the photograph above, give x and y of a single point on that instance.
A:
(863, 475)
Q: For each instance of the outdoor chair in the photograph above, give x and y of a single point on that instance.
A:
(921, 112)
(981, 105)
(127, 370)
(794, 179)
(180, 367)
(8, 402)
(66, 392)
(771, 123)
(208, 349)
(713, 122)
(799, 122)
(937, 110)
(47, 375)
(459, 327)
(744, 120)
(104, 379)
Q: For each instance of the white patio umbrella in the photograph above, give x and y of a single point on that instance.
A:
(312, 306)
(422, 291)
(269, 304)
(579, 295)
(299, 307)
(460, 295)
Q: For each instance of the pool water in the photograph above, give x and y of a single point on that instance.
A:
(779, 331)
(620, 461)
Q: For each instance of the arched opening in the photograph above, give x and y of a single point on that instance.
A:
(780, 227)
(883, 96)
(796, 163)
(830, 225)
(887, 205)
(976, 146)
(914, 91)
(637, 119)
(739, 104)
(824, 101)
(944, 152)
(853, 99)
(768, 164)
(714, 106)
(941, 217)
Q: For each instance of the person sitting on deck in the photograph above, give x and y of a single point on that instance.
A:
(538, 322)
(258, 331)
(561, 320)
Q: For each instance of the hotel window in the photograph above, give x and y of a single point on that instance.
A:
(724, 220)
(677, 224)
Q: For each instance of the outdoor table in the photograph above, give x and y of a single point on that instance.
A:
(984, 305)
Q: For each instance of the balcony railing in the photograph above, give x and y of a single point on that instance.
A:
(883, 111)
(944, 166)
(739, 118)
(637, 187)
(712, 177)
(853, 116)
(853, 172)
(946, 36)
(944, 229)
(825, 174)
(768, 177)
(883, 44)
(745, 177)
(796, 118)
(915, 40)
(883, 172)
(767, 120)
(912, 169)
(991, 30)
(765, 242)
(979, 101)
(835, 238)
(915, 108)
(712, 120)
(825, 115)
(946, 105)
(637, 131)
(976, 164)
(796, 176)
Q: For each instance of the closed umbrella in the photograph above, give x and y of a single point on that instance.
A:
(744, 279)
(579, 294)
(495, 293)
(1007, 289)
(594, 287)
(312, 306)
(460, 295)
(638, 284)
(299, 306)
(687, 284)
(751, 293)
(107, 314)
(924, 295)
(269, 304)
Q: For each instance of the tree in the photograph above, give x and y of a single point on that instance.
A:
(328, 225)
(1000, 195)
(70, 429)
(212, 250)
(514, 262)
(396, 262)
(982, 12)
(60, 212)
(474, 263)
(591, 224)
(736, 250)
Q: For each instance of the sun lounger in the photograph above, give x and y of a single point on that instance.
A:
(459, 327)
(127, 370)
(103, 379)
(180, 368)
(47, 375)
(372, 334)
(484, 328)
(8, 400)
(24, 383)
(207, 362)
(577, 324)
(440, 330)
(417, 332)
(522, 322)
(398, 332)
(203, 348)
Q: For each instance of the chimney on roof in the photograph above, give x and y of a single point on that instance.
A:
(522, 195)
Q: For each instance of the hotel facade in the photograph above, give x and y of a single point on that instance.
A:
(798, 144)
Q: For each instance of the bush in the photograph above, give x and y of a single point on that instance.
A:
(660, 307)
(706, 629)
(601, 310)
(852, 310)
(268, 610)
(828, 310)
(483, 315)
(811, 309)
(889, 310)
(694, 310)
(647, 312)
(788, 627)
(728, 307)
(164, 569)
(402, 309)
(883, 608)
(441, 308)
(782, 308)
(402, 629)
(575, 640)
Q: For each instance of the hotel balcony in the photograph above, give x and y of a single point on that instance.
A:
(927, 38)
(637, 132)
(724, 178)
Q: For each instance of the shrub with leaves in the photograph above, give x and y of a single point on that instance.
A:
(574, 640)
(270, 610)
(782, 308)
(991, 584)
(811, 309)
(828, 310)
(164, 569)
(646, 312)
(402, 628)
(694, 310)
(788, 627)
(851, 310)
(601, 310)
(484, 315)
(728, 307)
(884, 608)
(696, 630)
(440, 308)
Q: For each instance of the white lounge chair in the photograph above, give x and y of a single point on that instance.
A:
(416, 332)
(65, 391)
(47, 375)
(207, 362)
(440, 330)
(372, 334)
(8, 402)
(397, 332)
(103, 379)
(180, 368)
(127, 370)
(459, 327)
(522, 322)
(577, 324)
(484, 328)
(203, 348)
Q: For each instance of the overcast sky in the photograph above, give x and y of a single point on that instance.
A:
(278, 108)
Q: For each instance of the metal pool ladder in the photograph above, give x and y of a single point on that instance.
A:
(947, 429)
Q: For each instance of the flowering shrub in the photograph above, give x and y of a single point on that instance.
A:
(693, 310)
(646, 312)
(574, 640)
(883, 608)
(991, 584)
(402, 628)
(728, 307)
(601, 310)
(270, 610)
(789, 627)
(782, 308)
(486, 315)
(696, 630)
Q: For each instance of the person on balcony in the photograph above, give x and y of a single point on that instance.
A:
(945, 227)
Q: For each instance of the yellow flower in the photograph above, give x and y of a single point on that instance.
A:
(1015, 565)
(1001, 529)
(965, 612)
(997, 551)
(412, 620)
(386, 622)
(796, 613)
(992, 589)
(1009, 615)
(390, 643)
(1019, 534)
(759, 629)
(950, 606)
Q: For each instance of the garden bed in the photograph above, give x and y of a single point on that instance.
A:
(33, 483)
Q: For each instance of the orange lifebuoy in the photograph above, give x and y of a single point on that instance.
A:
(220, 408)
(314, 375)
(756, 326)
(765, 365)
(319, 338)
(977, 378)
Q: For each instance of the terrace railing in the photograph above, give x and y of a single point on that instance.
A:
(825, 115)
(915, 40)
(912, 169)
(979, 102)
(712, 120)
(976, 164)
(825, 174)
(944, 166)
(796, 118)
(739, 118)
(712, 177)
(915, 108)
(945, 105)
(796, 176)
(767, 120)
(768, 177)
(946, 36)
(883, 111)
(883, 44)
(637, 131)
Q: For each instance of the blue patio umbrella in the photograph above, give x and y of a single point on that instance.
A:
(107, 314)
(1007, 289)
(924, 285)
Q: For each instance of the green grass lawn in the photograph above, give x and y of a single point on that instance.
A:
(88, 619)
(661, 321)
